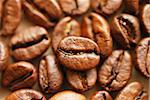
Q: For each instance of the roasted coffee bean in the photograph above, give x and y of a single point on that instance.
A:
(126, 30)
(74, 7)
(29, 44)
(96, 28)
(66, 27)
(106, 7)
(68, 95)
(133, 91)
(115, 73)
(1, 10)
(143, 56)
(82, 81)
(10, 12)
(78, 53)
(44, 13)
(26, 94)
(101, 95)
(4, 56)
(50, 75)
(145, 18)
(19, 75)
(132, 6)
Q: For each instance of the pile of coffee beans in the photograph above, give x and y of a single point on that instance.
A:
(89, 43)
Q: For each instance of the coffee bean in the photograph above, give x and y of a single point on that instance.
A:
(133, 91)
(145, 18)
(10, 13)
(50, 75)
(1, 10)
(19, 75)
(82, 81)
(74, 7)
(101, 95)
(30, 43)
(68, 95)
(44, 13)
(106, 7)
(66, 27)
(26, 94)
(115, 73)
(143, 56)
(126, 30)
(96, 28)
(132, 6)
(78, 53)
(4, 56)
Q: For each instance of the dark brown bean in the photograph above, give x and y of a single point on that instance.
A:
(44, 13)
(68, 95)
(26, 94)
(125, 29)
(115, 73)
(101, 95)
(30, 43)
(96, 28)
(82, 81)
(132, 6)
(11, 16)
(74, 7)
(50, 75)
(143, 56)
(106, 7)
(66, 27)
(78, 53)
(4, 56)
(133, 91)
(19, 75)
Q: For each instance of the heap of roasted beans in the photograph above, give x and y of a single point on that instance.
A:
(76, 44)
